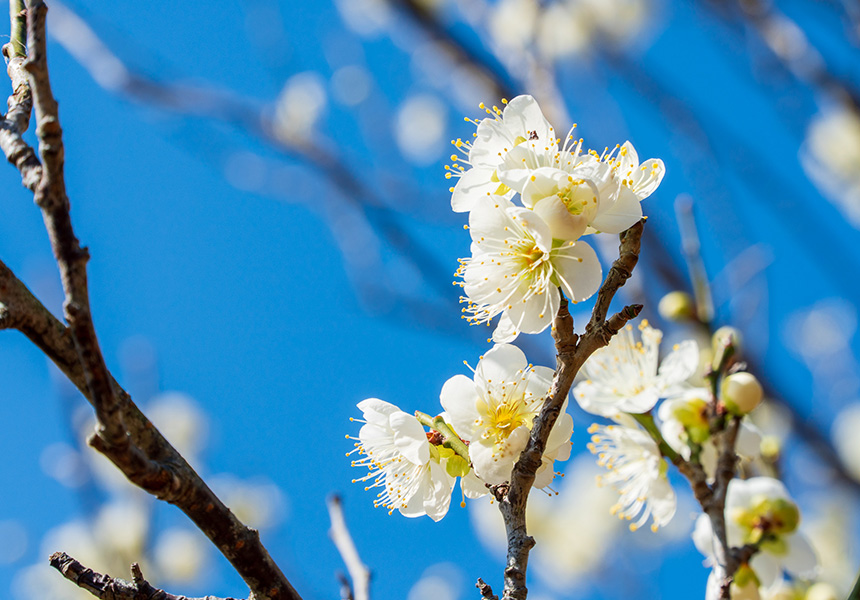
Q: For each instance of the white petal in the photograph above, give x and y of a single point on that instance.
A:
(620, 215)
(535, 313)
(647, 178)
(562, 224)
(541, 183)
(678, 366)
(766, 568)
(502, 362)
(640, 403)
(376, 411)
(703, 536)
(410, 438)
(437, 494)
(505, 331)
(661, 498)
(458, 398)
(559, 437)
(523, 115)
(534, 225)
(471, 185)
(801, 560)
(472, 486)
(578, 270)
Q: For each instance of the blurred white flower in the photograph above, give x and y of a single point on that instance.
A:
(637, 470)
(258, 503)
(398, 457)
(420, 124)
(624, 377)
(512, 24)
(836, 172)
(760, 511)
(181, 554)
(181, 421)
(495, 412)
(351, 85)
(299, 106)
(516, 270)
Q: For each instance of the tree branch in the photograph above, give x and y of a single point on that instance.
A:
(110, 588)
(572, 352)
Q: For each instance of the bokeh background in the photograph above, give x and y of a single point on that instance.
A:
(261, 187)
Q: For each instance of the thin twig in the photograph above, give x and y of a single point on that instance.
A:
(111, 588)
(486, 590)
(339, 534)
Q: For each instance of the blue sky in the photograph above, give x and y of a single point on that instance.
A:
(253, 310)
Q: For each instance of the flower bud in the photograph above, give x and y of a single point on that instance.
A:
(726, 335)
(741, 392)
(677, 306)
(821, 591)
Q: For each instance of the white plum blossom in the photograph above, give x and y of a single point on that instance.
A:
(637, 470)
(495, 410)
(588, 193)
(627, 377)
(520, 125)
(760, 511)
(395, 449)
(516, 270)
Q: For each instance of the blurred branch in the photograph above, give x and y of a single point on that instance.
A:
(339, 534)
(426, 17)
(109, 71)
(692, 254)
(110, 588)
(572, 352)
(793, 48)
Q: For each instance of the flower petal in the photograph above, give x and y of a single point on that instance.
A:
(458, 398)
(578, 270)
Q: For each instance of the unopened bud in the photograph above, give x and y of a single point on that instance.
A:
(770, 447)
(745, 584)
(726, 335)
(822, 591)
(677, 306)
(741, 392)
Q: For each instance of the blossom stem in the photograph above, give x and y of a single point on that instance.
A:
(452, 439)
(647, 421)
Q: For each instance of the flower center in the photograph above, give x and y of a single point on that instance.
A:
(576, 196)
(509, 415)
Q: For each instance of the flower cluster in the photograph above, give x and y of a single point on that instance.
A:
(624, 382)
(484, 428)
(523, 252)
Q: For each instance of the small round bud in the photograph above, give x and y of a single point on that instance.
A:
(726, 335)
(822, 591)
(677, 306)
(741, 392)
(771, 447)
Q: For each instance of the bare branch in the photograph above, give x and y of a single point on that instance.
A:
(20, 103)
(110, 588)
(572, 352)
(339, 534)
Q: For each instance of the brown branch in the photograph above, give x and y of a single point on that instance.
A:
(111, 588)
(572, 352)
